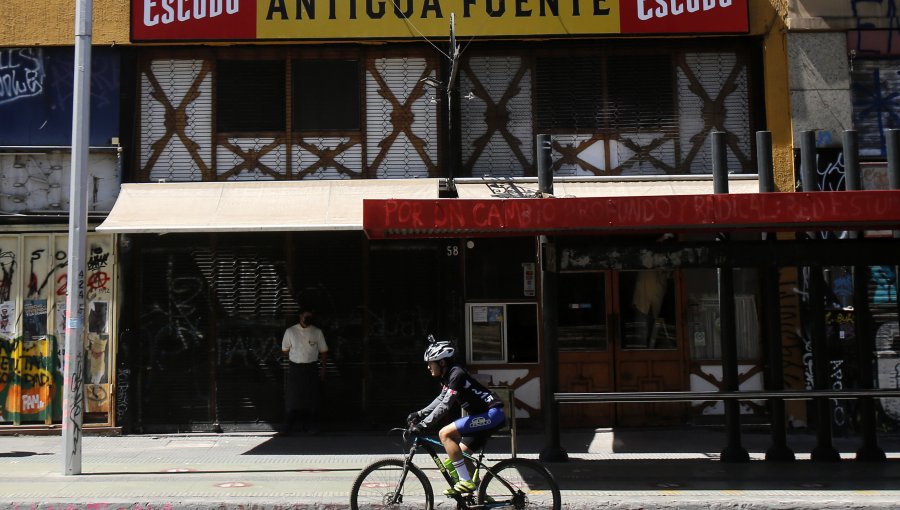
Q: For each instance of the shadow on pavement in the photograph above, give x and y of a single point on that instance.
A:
(21, 454)
(711, 474)
(656, 442)
(331, 444)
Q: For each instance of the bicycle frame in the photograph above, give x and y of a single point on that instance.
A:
(428, 445)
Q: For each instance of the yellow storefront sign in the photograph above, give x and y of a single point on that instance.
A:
(221, 20)
(336, 19)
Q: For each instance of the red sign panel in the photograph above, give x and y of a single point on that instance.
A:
(674, 213)
(684, 16)
(164, 20)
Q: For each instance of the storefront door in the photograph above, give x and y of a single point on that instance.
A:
(648, 349)
(618, 332)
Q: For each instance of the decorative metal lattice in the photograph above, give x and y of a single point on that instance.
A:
(401, 117)
(176, 125)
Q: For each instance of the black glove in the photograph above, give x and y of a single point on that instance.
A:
(412, 418)
(415, 429)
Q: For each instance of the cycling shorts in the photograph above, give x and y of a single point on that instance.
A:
(477, 428)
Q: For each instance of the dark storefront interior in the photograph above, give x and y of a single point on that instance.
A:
(211, 311)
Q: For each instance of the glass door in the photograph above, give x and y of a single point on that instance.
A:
(649, 353)
(585, 357)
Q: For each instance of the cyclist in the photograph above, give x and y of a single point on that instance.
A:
(469, 433)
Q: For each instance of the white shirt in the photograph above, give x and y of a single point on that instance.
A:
(303, 344)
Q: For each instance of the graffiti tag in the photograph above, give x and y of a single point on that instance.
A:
(21, 73)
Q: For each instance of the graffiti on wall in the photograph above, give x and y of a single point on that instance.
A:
(123, 379)
(171, 328)
(7, 270)
(840, 328)
(21, 73)
(888, 367)
(30, 380)
(792, 344)
(32, 326)
(36, 89)
(883, 292)
(248, 349)
(875, 25)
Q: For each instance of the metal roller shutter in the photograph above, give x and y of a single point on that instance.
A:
(174, 365)
(248, 282)
(875, 85)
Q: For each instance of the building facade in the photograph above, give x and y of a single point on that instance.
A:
(247, 99)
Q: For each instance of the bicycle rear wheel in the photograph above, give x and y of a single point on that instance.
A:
(532, 485)
(378, 486)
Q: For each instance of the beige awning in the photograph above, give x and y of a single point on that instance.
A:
(254, 206)
(606, 187)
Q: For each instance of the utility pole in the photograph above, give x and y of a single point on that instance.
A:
(73, 383)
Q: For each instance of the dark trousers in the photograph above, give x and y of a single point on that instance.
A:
(302, 397)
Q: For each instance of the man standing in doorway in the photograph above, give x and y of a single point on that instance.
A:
(304, 345)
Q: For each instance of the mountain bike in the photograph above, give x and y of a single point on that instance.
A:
(399, 483)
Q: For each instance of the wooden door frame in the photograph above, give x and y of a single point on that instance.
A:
(589, 374)
(621, 355)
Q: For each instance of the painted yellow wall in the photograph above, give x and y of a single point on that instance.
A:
(768, 20)
(52, 23)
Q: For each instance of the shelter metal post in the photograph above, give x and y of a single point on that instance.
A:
(824, 450)
(893, 155)
(865, 347)
(553, 451)
(733, 451)
(779, 450)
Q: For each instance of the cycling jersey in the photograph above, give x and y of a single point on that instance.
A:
(459, 386)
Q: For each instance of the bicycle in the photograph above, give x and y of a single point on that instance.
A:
(399, 483)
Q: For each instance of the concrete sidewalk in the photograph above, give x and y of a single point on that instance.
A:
(626, 469)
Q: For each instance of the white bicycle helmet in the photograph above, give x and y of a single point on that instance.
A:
(438, 350)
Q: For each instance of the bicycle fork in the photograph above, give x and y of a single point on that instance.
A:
(397, 498)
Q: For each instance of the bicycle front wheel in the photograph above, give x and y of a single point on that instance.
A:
(379, 485)
(528, 484)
